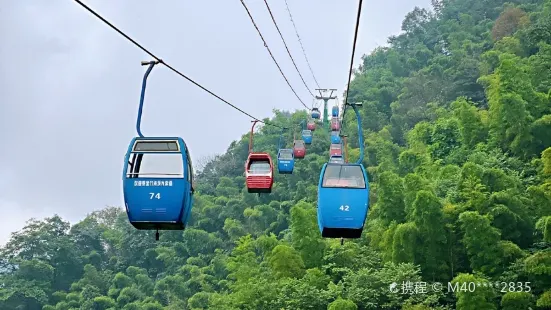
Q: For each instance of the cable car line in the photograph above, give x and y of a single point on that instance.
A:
(301, 46)
(273, 58)
(165, 203)
(169, 66)
(344, 184)
(287, 48)
(352, 58)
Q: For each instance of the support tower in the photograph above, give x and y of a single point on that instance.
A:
(323, 95)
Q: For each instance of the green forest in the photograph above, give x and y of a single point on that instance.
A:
(457, 125)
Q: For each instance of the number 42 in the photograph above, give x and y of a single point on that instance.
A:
(154, 195)
(345, 208)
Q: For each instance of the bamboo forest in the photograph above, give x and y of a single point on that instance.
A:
(456, 120)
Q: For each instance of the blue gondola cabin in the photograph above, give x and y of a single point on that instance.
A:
(335, 137)
(307, 136)
(335, 111)
(285, 161)
(157, 196)
(315, 113)
(343, 200)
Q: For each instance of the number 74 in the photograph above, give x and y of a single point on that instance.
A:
(155, 195)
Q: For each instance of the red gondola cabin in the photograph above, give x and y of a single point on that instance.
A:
(335, 124)
(259, 173)
(311, 125)
(299, 149)
(335, 150)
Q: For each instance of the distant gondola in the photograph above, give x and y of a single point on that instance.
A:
(335, 137)
(285, 161)
(336, 159)
(335, 124)
(307, 136)
(259, 169)
(299, 149)
(335, 111)
(315, 113)
(335, 149)
(311, 125)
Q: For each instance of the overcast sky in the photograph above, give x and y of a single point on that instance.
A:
(69, 85)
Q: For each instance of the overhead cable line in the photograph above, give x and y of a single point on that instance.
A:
(170, 67)
(352, 58)
(284, 43)
(273, 58)
(301, 46)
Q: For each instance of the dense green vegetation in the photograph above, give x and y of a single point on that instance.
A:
(457, 120)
